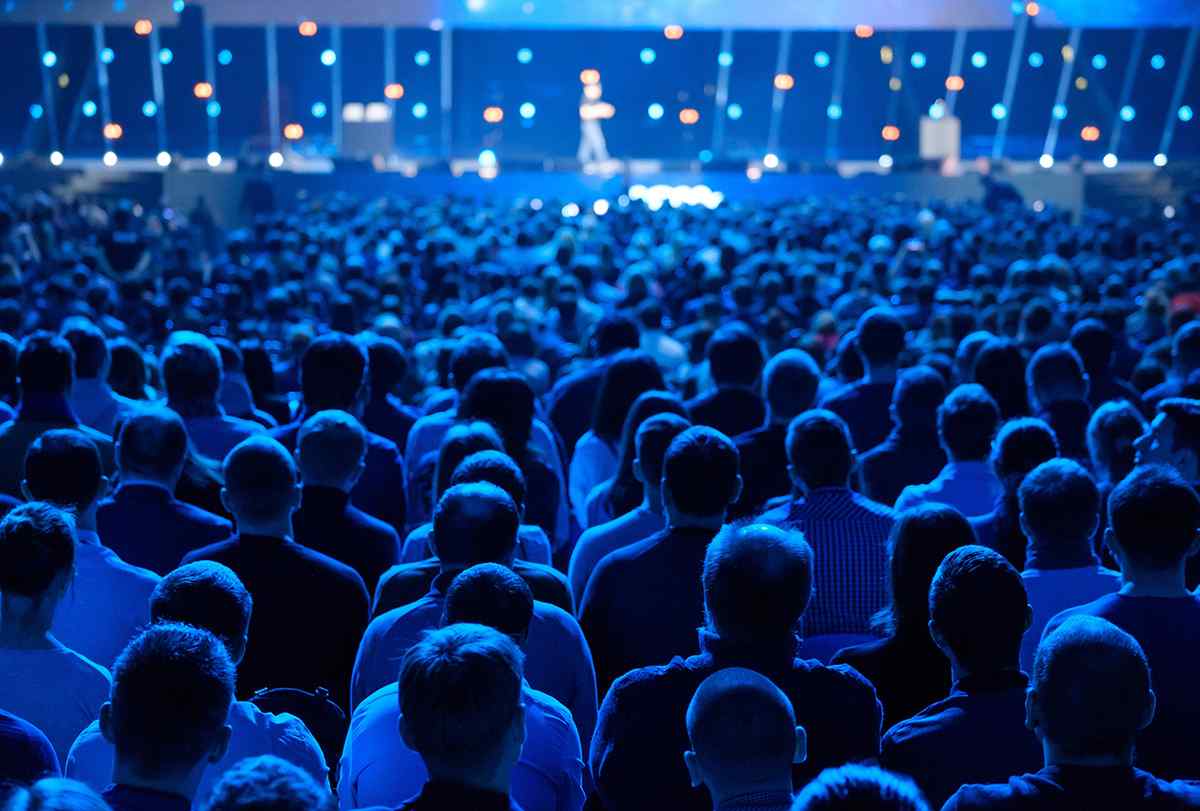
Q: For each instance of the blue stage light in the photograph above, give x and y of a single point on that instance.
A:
(524, 56)
(421, 58)
(420, 110)
(1099, 62)
(734, 111)
(834, 111)
(937, 110)
(213, 108)
(979, 59)
(107, 56)
(706, 155)
(149, 108)
(999, 111)
(88, 109)
(178, 6)
(36, 111)
(487, 158)
(1128, 113)
(655, 111)
(225, 56)
(319, 109)
(724, 59)
(1060, 111)
(328, 57)
(917, 60)
(1158, 61)
(49, 59)
(648, 56)
(166, 56)
(1185, 113)
(1036, 60)
(527, 110)
(821, 59)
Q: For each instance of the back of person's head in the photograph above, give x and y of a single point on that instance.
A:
(915, 399)
(37, 550)
(207, 595)
(191, 368)
(860, 788)
(757, 582)
(1090, 691)
(919, 542)
(493, 467)
(267, 783)
(90, 347)
(473, 353)
(63, 467)
(742, 730)
(966, 352)
(1055, 372)
(506, 400)
(700, 472)
(461, 441)
(790, 382)
(460, 700)
(330, 449)
(387, 363)
(53, 794)
(1184, 414)
(333, 372)
(654, 437)
(819, 449)
(152, 444)
(1153, 516)
(1020, 446)
(1095, 343)
(475, 523)
(127, 372)
(1059, 502)
(967, 421)
(46, 364)
(613, 333)
(1185, 347)
(494, 595)
(735, 358)
(630, 374)
(880, 336)
(1111, 433)
(172, 688)
(978, 610)
(1000, 368)
(260, 480)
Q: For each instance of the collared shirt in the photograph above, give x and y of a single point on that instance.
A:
(215, 436)
(377, 768)
(848, 534)
(96, 405)
(1052, 591)
(758, 801)
(147, 526)
(1057, 788)
(975, 735)
(533, 545)
(107, 603)
(558, 660)
(970, 487)
(443, 796)
(596, 542)
(254, 733)
(131, 798)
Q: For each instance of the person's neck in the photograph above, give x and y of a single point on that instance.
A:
(722, 793)
(807, 489)
(879, 374)
(1053, 755)
(498, 779)
(1046, 554)
(960, 671)
(951, 459)
(26, 626)
(678, 520)
(1155, 583)
(85, 519)
(278, 528)
(129, 477)
(653, 501)
(340, 486)
(184, 786)
(195, 408)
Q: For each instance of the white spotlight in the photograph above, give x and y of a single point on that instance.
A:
(886, 161)
(163, 159)
(56, 158)
(771, 160)
(110, 158)
(1109, 160)
(570, 210)
(1169, 212)
(214, 159)
(1160, 159)
(1046, 160)
(600, 207)
(275, 160)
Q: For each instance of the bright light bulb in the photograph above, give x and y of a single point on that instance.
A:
(110, 158)
(213, 159)
(1046, 160)
(1160, 159)
(886, 161)
(1109, 160)
(56, 158)
(163, 159)
(771, 160)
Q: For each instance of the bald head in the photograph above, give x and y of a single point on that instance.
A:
(260, 483)
(330, 449)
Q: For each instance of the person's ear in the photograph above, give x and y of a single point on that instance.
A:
(402, 728)
(106, 721)
(1033, 713)
(221, 745)
(695, 775)
(103, 489)
(226, 501)
(939, 641)
(801, 753)
(25, 490)
(1028, 617)
(1148, 714)
(637, 470)
(737, 490)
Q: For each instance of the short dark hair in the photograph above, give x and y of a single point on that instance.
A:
(967, 420)
(700, 471)
(1095, 343)
(493, 595)
(474, 352)
(819, 448)
(89, 344)
(757, 581)
(153, 442)
(1056, 370)
(331, 444)
(1000, 369)
(1060, 501)
(387, 363)
(259, 476)
(1154, 515)
(977, 602)
(613, 333)
(918, 543)
(1092, 683)
(880, 336)
(460, 690)
(742, 726)
(1185, 346)
(863, 788)
(1185, 414)
(63, 467)
(37, 544)
(790, 382)
(918, 393)
(493, 467)
(654, 437)
(191, 367)
(506, 400)
(1111, 432)
(734, 355)
(46, 364)
(207, 595)
(1020, 446)
(172, 689)
(333, 371)
(462, 440)
(267, 783)
(475, 523)
(629, 374)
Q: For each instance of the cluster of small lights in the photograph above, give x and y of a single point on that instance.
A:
(202, 90)
(527, 110)
(493, 115)
(647, 56)
(655, 111)
(890, 133)
(319, 109)
(328, 57)
(421, 58)
(224, 56)
(1090, 133)
(863, 31)
(149, 108)
(524, 56)
(673, 31)
(954, 83)
(1099, 62)
(143, 27)
(979, 59)
(917, 60)
(88, 108)
(393, 91)
(589, 76)
(308, 28)
(821, 59)
(999, 111)
(676, 196)
(834, 111)
(689, 116)
(784, 81)
(293, 132)
(420, 110)
(113, 131)
(734, 111)
(166, 56)
(213, 108)
(1128, 113)
(1036, 60)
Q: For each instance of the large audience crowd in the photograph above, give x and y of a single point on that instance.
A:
(458, 504)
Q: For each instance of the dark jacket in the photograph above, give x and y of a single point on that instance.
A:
(147, 526)
(907, 456)
(732, 411)
(330, 524)
(409, 582)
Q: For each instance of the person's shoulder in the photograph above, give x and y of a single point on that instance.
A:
(242, 426)
(380, 444)
(102, 440)
(628, 556)
(128, 572)
(552, 615)
(245, 717)
(840, 396)
(382, 700)
(285, 434)
(648, 685)
(198, 516)
(214, 551)
(539, 571)
(1015, 794)
(1100, 607)
(370, 525)
(334, 570)
(85, 669)
(15, 726)
(873, 508)
(842, 682)
(550, 709)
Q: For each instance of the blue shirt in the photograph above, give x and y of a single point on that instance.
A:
(378, 769)
(217, 435)
(1065, 788)
(866, 408)
(147, 526)
(907, 457)
(1052, 591)
(970, 487)
(532, 544)
(597, 542)
(26, 754)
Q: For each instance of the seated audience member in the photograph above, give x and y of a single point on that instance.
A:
(744, 740)
(310, 610)
(1113, 431)
(1021, 445)
(461, 710)
(790, 383)
(46, 371)
(1097, 346)
(477, 523)
(94, 402)
(1000, 369)
(329, 453)
(966, 422)
(42, 681)
(907, 669)
(51, 794)
(643, 602)
(1060, 509)
(977, 615)
(378, 769)
(267, 783)
(409, 582)
(629, 375)
(1153, 515)
(911, 453)
(209, 596)
(735, 362)
(757, 581)
(1058, 388)
(1185, 359)
(384, 413)
(334, 376)
(105, 603)
(142, 520)
(192, 374)
(1172, 438)
(167, 717)
(26, 754)
(848, 532)
(431, 478)
(860, 788)
(1089, 697)
(865, 404)
(654, 436)
(235, 395)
